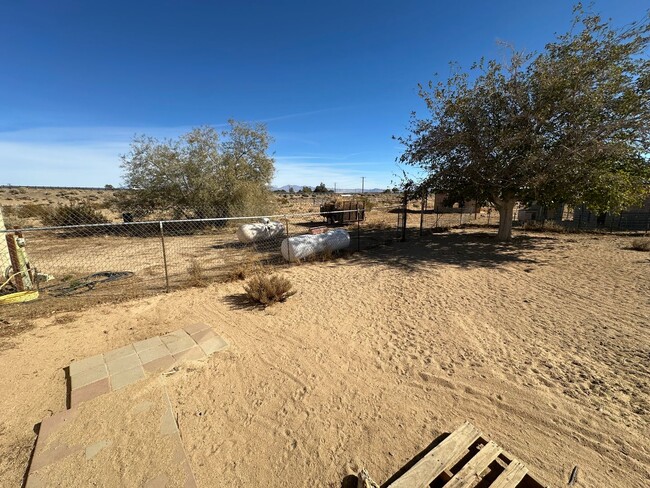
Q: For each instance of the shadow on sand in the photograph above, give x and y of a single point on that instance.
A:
(466, 250)
(240, 301)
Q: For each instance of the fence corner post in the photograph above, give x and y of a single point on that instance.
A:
(164, 253)
(423, 208)
(404, 214)
(359, 226)
(286, 223)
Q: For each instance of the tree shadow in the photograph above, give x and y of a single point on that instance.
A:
(465, 250)
(230, 245)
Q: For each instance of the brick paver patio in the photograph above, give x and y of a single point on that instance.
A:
(92, 443)
(116, 369)
(130, 440)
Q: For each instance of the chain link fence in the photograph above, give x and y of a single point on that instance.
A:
(135, 253)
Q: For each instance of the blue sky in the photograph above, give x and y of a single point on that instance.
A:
(332, 80)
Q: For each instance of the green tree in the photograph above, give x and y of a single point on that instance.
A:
(306, 189)
(321, 188)
(568, 125)
(202, 173)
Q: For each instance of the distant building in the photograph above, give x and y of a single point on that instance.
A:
(633, 218)
(539, 212)
(442, 204)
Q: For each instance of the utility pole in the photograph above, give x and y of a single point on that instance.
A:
(363, 179)
(335, 187)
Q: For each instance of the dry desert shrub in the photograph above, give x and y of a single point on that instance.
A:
(196, 275)
(439, 229)
(378, 226)
(642, 244)
(238, 273)
(244, 270)
(74, 214)
(268, 290)
(31, 210)
(544, 226)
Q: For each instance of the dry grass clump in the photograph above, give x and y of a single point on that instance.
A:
(328, 255)
(244, 270)
(321, 257)
(268, 290)
(642, 244)
(440, 229)
(237, 274)
(73, 214)
(544, 226)
(378, 226)
(196, 275)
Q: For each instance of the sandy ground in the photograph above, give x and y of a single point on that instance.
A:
(543, 344)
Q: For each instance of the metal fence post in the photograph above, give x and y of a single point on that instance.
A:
(404, 213)
(423, 207)
(164, 253)
(286, 223)
(359, 226)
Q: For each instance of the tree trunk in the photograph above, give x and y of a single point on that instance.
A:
(505, 219)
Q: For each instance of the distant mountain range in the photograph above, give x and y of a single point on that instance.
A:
(297, 188)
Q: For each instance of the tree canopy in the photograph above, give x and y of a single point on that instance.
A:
(568, 125)
(203, 173)
(321, 188)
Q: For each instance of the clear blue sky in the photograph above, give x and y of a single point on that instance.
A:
(333, 80)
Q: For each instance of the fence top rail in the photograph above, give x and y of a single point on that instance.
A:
(176, 221)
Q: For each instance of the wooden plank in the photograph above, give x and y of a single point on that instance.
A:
(470, 474)
(438, 459)
(511, 476)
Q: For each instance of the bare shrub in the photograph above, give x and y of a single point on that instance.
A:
(378, 226)
(238, 273)
(32, 210)
(642, 244)
(545, 226)
(328, 255)
(440, 230)
(196, 274)
(268, 290)
(243, 270)
(74, 214)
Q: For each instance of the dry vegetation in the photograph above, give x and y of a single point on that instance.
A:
(30, 207)
(642, 244)
(267, 290)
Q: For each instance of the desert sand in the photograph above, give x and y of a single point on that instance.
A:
(543, 344)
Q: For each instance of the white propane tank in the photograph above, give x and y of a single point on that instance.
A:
(303, 246)
(259, 232)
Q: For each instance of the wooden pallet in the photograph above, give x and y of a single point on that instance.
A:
(466, 459)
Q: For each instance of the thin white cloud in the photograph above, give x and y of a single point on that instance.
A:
(60, 164)
(90, 156)
(302, 114)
